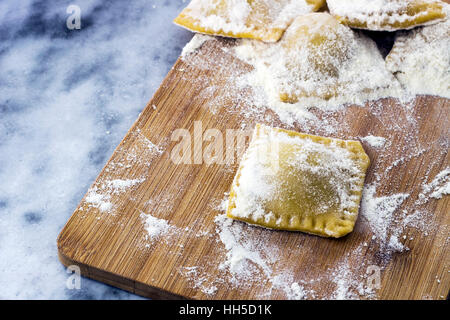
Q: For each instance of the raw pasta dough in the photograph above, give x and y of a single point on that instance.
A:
(420, 59)
(317, 58)
(294, 181)
(387, 15)
(257, 19)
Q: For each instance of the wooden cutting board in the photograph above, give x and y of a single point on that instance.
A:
(106, 236)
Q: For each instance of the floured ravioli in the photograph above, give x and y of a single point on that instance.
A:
(420, 59)
(294, 181)
(317, 57)
(257, 19)
(387, 15)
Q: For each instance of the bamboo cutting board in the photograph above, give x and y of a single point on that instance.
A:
(106, 236)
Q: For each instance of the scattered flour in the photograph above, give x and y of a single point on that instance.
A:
(196, 42)
(437, 188)
(379, 212)
(295, 292)
(99, 196)
(349, 283)
(344, 282)
(243, 251)
(199, 281)
(373, 141)
(98, 200)
(155, 227)
(395, 245)
(120, 185)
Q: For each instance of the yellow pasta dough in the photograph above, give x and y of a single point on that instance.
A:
(387, 15)
(294, 181)
(317, 58)
(257, 19)
(328, 44)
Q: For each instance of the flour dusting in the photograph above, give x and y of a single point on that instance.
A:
(375, 142)
(379, 212)
(420, 60)
(196, 42)
(439, 187)
(99, 196)
(245, 256)
(155, 227)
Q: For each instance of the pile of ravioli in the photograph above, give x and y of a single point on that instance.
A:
(315, 49)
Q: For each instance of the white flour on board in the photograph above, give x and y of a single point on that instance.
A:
(155, 227)
(99, 196)
(373, 141)
(245, 257)
(196, 42)
(439, 187)
(379, 212)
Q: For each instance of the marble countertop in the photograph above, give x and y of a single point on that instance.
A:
(67, 98)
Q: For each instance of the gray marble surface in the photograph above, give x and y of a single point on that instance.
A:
(67, 98)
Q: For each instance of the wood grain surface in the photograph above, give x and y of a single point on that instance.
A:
(112, 246)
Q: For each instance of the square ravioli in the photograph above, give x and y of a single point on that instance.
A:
(258, 19)
(294, 181)
(387, 15)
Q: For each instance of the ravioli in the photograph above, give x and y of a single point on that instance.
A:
(327, 44)
(317, 57)
(387, 15)
(294, 181)
(420, 59)
(256, 19)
